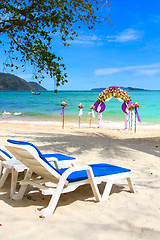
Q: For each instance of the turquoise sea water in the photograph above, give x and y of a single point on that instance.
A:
(24, 106)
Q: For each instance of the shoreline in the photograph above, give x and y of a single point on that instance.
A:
(84, 124)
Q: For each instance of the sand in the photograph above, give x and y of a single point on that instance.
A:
(124, 216)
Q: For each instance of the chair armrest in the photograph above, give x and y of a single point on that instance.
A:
(76, 169)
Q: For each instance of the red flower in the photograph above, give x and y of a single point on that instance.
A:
(64, 104)
(81, 105)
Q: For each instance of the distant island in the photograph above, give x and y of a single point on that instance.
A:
(124, 88)
(10, 82)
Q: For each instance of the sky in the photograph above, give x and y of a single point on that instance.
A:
(124, 53)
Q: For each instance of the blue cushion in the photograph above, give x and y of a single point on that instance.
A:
(99, 170)
(59, 156)
(5, 153)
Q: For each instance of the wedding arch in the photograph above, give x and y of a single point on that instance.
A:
(122, 96)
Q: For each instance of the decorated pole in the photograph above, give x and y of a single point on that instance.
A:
(99, 108)
(92, 107)
(80, 106)
(126, 121)
(63, 105)
(90, 120)
(129, 119)
(126, 111)
(135, 121)
(63, 121)
(133, 108)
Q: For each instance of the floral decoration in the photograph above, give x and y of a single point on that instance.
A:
(114, 91)
(64, 104)
(80, 105)
(133, 106)
(92, 107)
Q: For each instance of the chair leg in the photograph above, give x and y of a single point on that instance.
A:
(14, 178)
(94, 186)
(131, 185)
(4, 176)
(20, 194)
(107, 190)
(48, 211)
(1, 168)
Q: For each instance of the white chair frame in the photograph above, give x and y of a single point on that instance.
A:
(14, 167)
(29, 156)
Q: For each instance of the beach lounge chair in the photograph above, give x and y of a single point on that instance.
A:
(8, 163)
(64, 180)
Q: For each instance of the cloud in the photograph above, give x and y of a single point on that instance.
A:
(86, 40)
(107, 71)
(155, 18)
(147, 70)
(127, 35)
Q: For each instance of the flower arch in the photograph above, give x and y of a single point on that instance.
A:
(115, 92)
(121, 95)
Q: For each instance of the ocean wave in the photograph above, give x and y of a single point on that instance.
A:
(17, 113)
(5, 113)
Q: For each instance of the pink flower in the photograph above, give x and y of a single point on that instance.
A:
(81, 105)
(92, 107)
(64, 104)
(133, 106)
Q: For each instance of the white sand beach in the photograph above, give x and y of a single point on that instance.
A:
(125, 216)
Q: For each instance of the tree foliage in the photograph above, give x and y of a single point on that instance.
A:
(31, 26)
